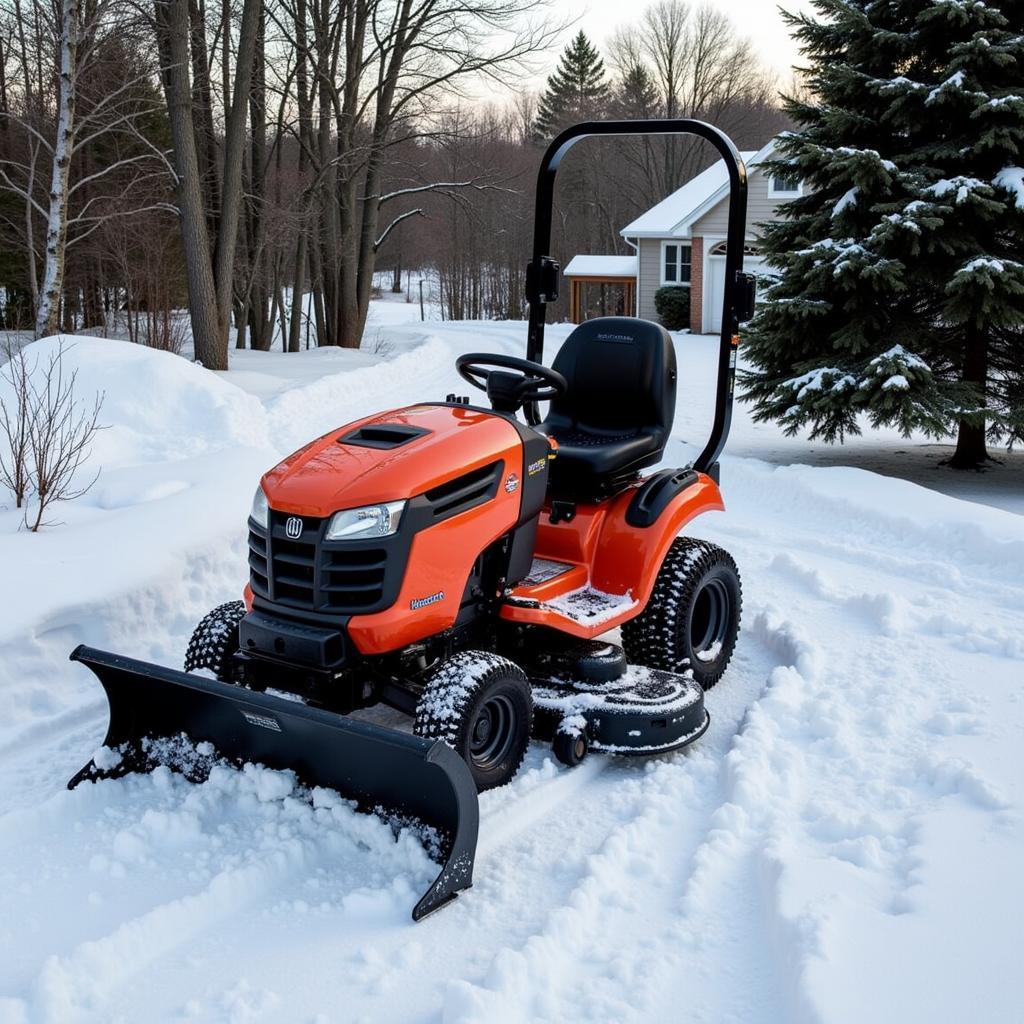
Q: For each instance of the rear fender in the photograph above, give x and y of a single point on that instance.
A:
(627, 558)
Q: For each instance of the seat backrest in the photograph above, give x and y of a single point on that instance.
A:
(622, 377)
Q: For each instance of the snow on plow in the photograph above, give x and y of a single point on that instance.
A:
(381, 769)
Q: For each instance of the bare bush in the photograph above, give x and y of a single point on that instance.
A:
(166, 330)
(14, 424)
(61, 429)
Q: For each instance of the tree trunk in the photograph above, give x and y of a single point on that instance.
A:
(234, 152)
(242, 322)
(261, 317)
(291, 344)
(971, 452)
(206, 139)
(30, 237)
(305, 101)
(173, 31)
(47, 319)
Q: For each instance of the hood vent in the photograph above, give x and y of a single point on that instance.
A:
(466, 491)
(382, 435)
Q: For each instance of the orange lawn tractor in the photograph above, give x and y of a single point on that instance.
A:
(461, 565)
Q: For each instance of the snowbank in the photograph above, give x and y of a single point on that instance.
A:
(177, 459)
(843, 844)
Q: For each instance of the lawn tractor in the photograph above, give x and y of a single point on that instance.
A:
(462, 565)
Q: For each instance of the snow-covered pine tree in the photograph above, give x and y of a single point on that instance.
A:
(902, 288)
(576, 91)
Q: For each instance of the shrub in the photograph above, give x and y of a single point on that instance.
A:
(672, 304)
(15, 423)
(46, 432)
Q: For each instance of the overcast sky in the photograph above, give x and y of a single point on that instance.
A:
(757, 19)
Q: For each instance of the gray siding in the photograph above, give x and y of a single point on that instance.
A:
(760, 208)
(650, 277)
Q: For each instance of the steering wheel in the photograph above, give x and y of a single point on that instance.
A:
(532, 382)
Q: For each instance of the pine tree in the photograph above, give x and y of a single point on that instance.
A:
(575, 92)
(636, 95)
(902, 290)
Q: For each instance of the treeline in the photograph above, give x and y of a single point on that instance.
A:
(256, 162)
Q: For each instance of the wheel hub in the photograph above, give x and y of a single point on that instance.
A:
(493, 732)
(482, 728)
(709, 623)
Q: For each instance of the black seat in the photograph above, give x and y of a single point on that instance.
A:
(617, 413)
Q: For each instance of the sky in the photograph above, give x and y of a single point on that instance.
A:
(757, 19)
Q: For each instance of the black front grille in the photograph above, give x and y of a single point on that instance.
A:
(306, 573)
(309, 573)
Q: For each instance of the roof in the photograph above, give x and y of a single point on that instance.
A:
(601, 266)
(675, 215)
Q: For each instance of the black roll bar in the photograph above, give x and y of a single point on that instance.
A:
(542, 272)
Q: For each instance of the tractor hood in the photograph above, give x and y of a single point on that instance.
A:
(390, 456)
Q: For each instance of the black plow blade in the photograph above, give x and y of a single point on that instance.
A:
(381, 769)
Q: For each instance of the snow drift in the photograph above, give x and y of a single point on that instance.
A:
(843, 844)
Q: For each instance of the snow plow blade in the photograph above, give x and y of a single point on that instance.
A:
(381, 769)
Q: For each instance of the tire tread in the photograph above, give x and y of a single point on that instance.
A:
(654, 638)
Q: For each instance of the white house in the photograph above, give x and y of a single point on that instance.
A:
(681, 240)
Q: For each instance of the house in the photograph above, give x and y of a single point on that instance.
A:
(681, 240)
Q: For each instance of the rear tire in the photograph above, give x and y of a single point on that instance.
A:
(693, 616)
(215, 640)
(480, 705)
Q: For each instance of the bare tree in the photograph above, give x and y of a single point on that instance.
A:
(48, 315)
(701, 67)
(14, 424)
(93, 105)
(378, 71)
(210, 277)
(61, 429)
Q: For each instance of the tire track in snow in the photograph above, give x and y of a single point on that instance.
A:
(832, 720)
(588, 959)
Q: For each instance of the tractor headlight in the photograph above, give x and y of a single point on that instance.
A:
(260, 511)
(361, 523)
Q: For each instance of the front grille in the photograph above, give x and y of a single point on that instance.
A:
(310, 574)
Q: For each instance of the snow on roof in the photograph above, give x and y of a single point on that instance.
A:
(601, 266)
(681, 208)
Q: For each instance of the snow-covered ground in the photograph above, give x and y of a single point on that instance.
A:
(844, 844)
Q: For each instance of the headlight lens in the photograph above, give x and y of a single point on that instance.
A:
(371, 521)
(260, 511)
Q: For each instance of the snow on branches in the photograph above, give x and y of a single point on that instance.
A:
(901, 295)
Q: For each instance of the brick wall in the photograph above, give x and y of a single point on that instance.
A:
(696, 284)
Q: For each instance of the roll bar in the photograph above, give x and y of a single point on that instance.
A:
(542, 271)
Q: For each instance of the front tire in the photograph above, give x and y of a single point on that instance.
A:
(480, 705)
(693, 616)
(215, 641)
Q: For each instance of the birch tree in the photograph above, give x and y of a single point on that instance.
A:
(48, 314)
(96, 106)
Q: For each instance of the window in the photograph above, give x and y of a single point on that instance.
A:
(675, 263)
(722, 248)
(784, 184)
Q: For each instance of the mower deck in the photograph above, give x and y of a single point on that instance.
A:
(643, 712)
